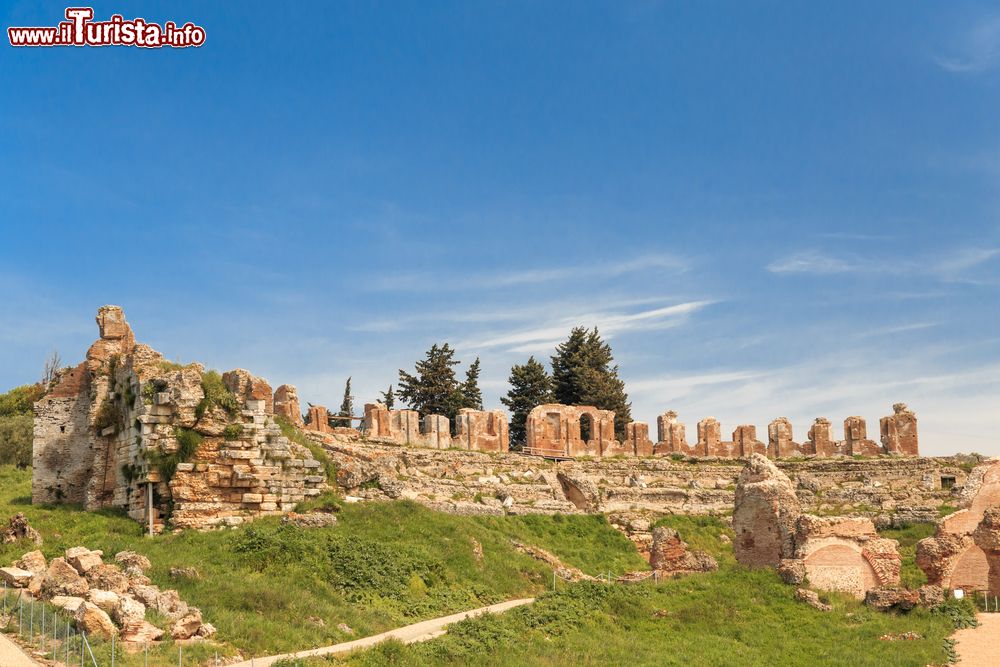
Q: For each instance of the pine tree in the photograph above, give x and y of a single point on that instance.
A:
(346, 406)
(583, 374)
(530, 385)
(473, 397)
(433, 390)
(388, 398)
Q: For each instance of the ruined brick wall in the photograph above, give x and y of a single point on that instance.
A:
(571, 430)
(125, 421)
(479, 430)
(951, 558)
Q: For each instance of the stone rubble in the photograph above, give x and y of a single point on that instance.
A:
(104, 600)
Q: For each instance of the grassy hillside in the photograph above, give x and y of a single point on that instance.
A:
(730, 617)
(270, 589)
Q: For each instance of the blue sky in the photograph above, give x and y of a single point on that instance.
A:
(771, 209)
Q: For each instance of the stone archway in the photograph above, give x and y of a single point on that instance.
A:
(840, 567)
(972, 570)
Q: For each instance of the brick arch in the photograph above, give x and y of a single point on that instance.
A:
(971, 571)
(839, 565)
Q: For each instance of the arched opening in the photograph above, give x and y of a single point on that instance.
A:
(839, 567)
(971, 571)
(587, 427)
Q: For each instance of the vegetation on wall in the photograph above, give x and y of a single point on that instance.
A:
(216, 395)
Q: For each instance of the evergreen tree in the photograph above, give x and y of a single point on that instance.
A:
(388, 398)
(530, 385)
(472, 396)
(433, 389)
(583, 374)
(346, 406)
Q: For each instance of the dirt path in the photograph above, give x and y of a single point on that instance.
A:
(11, 654)
(418, 632)
(980, 647)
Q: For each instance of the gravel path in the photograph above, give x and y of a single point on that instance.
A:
(418, 632)
(980, 647)
(11, 654)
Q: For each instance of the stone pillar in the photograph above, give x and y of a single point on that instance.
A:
(899, 431)
(319, 419)
(637, 439)
(765, 514)
(376, 420)
(779, 439)
(856, 438)
(987, 538)
(670, 434)
(709, 435)
(437, 431)
(821, 438)
(745, 441)
(286, 404)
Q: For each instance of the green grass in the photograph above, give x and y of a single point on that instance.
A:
(262, 584)
(730, 617)
(910, 575)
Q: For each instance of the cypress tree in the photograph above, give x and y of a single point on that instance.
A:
(388, 399)
(346, 406)
(432, 388)
(583, 374)
(472, 396)
(530, 385)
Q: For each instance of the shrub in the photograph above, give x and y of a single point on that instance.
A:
(16, 433)
(20, 400)
(109, 414)
(216, 394)
(262, 546)
(368, 567)
(233, 432)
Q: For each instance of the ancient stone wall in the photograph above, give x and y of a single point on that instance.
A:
(952, 558)
(126, 425)
(478, 430)
(835, 553)
(571, 430)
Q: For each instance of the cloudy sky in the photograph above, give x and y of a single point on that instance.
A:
(770, 209)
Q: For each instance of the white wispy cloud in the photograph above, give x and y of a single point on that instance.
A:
(610, 323)
(438, 280)
(898, 329)
(948, 267)
(978, 50)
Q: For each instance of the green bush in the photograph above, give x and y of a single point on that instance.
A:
(20, 400)
(233, 432)
(16, 432)
(262, 546)
(216, 395)
(109, 414)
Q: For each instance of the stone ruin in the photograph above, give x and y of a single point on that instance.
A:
(558, 431)
(834, 553)
(127, 429)
(105, 599)
(477, 430)
(952, 558)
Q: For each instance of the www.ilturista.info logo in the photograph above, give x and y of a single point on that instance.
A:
(80, 30)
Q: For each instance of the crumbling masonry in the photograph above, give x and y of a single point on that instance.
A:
(125, 427)
(566, 431)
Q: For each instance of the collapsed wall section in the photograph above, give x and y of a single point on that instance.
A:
(164, 442)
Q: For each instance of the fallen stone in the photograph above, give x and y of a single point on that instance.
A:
(70, 604)
(792, 571)
(107, 577)
(131, 559)
(669, 553)
(310, 520)
(33, 561)
(140, 632)
(206, 630)
(83, 559)
(128, 609)
(61, 578)
(186, 626)
(811, 598)
(345, 628)
(190, 573)
(146, 594)
(18, 529)
(15, 577)
(94, 621)
(884, 599)
(106, 600)
(169, 604)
